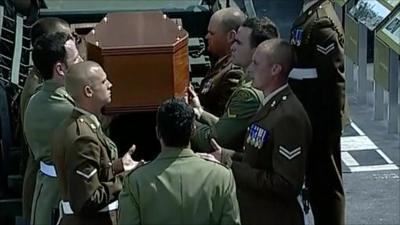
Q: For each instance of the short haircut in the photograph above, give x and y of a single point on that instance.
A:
(80, 75)
(175, 122)
(230, 18)
(49, 49)
(281, 53)
(47, 25)
(261, 30)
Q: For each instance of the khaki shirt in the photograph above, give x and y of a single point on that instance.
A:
(178, 187)
(31, 86)
(45, 112)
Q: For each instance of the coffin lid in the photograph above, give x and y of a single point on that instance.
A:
(137, 32)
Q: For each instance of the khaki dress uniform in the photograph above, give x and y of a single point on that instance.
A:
(269, 174)
(179, 187)
(319, 83)
(45, 112)
(31, 86)
(218, 85)
(89, 171)
(229, 129)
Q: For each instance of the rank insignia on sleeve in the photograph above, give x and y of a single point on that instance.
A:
(326, 50)
(87, 175)
(296, 37)
(257, 136)
(207, 86)
(289, 154)
(230, 114)
(243, 96)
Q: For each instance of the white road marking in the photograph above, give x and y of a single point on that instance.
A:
(384, 156)
(373, 168)
(349, 160)
(357, 129)
(354, 143)
(362, 143)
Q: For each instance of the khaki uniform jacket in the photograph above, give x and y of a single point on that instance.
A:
(218, 85)
(269, 174)
(179, 187)
(45, 112)
(88, 168)
(318, 39)
(230, 128)
(31, 86)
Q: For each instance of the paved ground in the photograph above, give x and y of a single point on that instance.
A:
(373, 186)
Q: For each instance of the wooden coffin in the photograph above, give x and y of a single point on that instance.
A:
(145, 55)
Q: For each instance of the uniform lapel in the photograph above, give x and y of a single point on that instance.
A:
(271, 104)
(220, 65)
(111, 147)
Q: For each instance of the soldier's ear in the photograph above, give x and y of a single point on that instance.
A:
(276, 69)
(88, 91)
(58, 68)
(231, 36)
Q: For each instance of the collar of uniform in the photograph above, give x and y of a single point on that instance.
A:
(318, 4)
(281, 95)
(270, 96)
(90, 115)
(307, 13)
(223, 61)
(245, 78)
(173, 152)
(61, 91)
(51, 85)
(308, 4)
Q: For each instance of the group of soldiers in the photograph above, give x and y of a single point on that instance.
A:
(265, 123)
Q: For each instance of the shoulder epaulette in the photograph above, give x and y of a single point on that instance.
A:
(84, 120)
(216, 162)
(144, 163)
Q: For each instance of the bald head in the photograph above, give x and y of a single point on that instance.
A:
(79, 76)
(229, 18)
(222, 29)
(87, 83)
(49, 25)
(278, 51)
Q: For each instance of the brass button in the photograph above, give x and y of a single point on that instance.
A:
(93, 126)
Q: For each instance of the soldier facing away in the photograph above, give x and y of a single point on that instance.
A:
(178, 187)
(319, 83)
